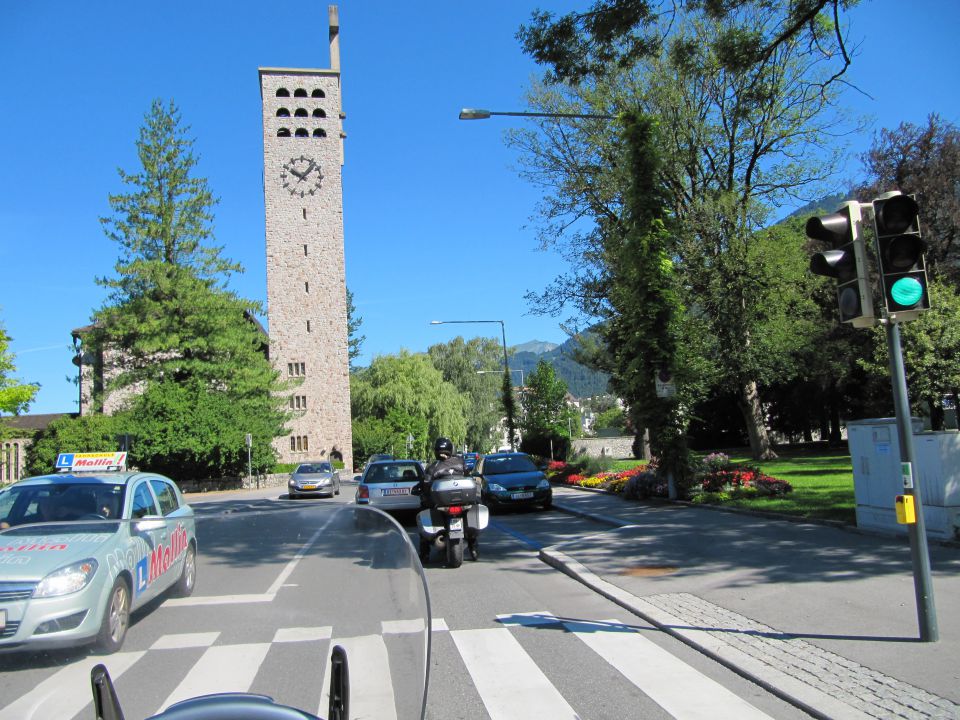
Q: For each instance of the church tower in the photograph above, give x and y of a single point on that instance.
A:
(306, 280)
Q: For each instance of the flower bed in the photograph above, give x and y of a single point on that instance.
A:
(716, 479)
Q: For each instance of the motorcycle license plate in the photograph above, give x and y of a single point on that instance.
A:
(521, 496)
(456, 524)
(397, 491)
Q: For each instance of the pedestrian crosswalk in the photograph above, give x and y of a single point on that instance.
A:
(500, 667)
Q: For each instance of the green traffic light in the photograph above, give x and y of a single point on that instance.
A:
(906, 291)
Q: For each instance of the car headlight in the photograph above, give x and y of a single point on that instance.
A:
(493, 487)
(292, 482)
(543, 484)
(66, 580)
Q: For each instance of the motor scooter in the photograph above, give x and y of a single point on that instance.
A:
(456, 519)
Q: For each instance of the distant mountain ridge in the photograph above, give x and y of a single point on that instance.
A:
(581, 380)
(537, 347)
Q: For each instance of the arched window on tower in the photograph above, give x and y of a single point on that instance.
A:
(319, 133)
(318, 93)
(319, 113)
(283, 132)
(283, 112)
(300, 112)
(283, 92)
(302, 132)
(299, 92)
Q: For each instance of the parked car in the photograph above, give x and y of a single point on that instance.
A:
(82, 550)
(318, 478)
(387, 484)
(512, 479)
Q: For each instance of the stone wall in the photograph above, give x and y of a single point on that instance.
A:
(616, 447)
(234, 483)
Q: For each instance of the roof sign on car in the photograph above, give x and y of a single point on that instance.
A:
(87, 462)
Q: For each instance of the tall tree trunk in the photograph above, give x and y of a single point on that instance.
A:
(835, 436)
(936, 413)
(748, 400)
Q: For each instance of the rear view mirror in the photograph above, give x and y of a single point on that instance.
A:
(415, 490)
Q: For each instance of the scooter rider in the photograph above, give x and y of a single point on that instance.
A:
(446, 464)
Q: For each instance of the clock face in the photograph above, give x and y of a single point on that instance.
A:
(301, 176)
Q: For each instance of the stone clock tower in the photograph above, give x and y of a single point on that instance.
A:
(306, 283)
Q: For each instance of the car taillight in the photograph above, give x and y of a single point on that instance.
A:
(364, 491)
(455, 510)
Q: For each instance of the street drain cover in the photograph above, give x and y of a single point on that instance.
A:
(649, 570)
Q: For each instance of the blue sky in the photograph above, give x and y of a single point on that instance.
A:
(421, 188)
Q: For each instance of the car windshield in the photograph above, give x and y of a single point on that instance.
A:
(508, 464)
(393, 472)
(59, 502)
(323, 467)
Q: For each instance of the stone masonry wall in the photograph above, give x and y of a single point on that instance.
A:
(617, 447)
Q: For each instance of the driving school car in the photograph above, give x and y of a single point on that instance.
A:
(82, 548)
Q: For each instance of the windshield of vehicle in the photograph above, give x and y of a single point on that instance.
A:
(393, 472)
(323, 467)
(276, 590)
(60, 502)
(493, 465)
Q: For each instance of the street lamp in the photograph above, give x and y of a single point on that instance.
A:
(507, 402)
(478, 114)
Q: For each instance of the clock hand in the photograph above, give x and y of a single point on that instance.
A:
(299, 176)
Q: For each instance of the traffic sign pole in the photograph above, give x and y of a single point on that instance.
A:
(919, 553)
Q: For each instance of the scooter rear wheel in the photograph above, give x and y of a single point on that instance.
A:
(454, 553)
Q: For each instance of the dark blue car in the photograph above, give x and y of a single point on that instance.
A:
(470, 460)
(513, 480)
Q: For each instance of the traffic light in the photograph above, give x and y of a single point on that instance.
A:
(846, 261)
(900, 249)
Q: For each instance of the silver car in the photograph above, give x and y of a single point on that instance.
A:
(80, 552)
(387, 484)
(318, 478)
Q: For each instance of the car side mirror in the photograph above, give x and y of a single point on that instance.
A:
(415, 490)
(356, 478)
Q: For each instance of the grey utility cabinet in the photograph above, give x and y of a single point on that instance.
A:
(875, 454)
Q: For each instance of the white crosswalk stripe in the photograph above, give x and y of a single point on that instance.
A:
(507, 679)
(67, 691)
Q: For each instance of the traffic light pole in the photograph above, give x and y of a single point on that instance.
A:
(919, 554)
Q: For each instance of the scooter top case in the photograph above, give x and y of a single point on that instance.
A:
(430, 523)
(454, 491)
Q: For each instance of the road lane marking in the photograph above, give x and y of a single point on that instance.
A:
(271, 592)
(438, 625)
(675, 686)
(66, 692)
(371, 683)
(509, 682)
(185, 640)
(302, 634)
(530, 542)
(223, 668)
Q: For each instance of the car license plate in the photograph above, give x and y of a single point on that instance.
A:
(309, 487)
(521, 496)
(397, 491)
(3, 619)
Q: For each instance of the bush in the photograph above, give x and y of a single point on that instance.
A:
(646, 484)
(594, 465)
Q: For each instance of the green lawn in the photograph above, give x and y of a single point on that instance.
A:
(822, 484)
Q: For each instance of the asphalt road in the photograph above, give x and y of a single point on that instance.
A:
(512, 638)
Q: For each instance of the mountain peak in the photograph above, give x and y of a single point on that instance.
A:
(537, 347)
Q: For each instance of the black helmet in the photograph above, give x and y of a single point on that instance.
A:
(442, 446)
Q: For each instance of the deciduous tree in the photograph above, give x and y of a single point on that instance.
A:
(15, 396)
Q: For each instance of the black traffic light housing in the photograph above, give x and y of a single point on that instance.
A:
(845, 261)
(900, 253)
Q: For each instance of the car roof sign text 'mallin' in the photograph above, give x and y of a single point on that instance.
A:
(87, 462)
